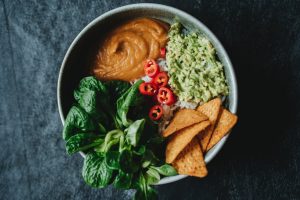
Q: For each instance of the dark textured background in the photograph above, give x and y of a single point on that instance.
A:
(261, 159)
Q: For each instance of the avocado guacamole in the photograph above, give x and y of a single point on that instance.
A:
(195, 73)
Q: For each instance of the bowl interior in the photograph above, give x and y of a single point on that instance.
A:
(79, 56)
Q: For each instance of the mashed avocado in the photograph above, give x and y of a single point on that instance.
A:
(195, 73)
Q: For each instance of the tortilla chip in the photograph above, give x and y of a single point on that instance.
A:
(183, 118)
(191, 161)
(211, 110)
(182, 138)
(226, 121)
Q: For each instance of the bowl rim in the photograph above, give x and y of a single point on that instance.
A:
(215, 150)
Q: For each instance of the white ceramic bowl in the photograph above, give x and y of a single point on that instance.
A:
(77, 58)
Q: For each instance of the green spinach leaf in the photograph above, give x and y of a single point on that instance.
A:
(83, 142)
(93, 96)
(112, 159)
(124, 102)
(95, 171)
(90, 83)
(79, 121)
(116, 88)
(128, 163)
(123, 180)
(88, 101)
(134, 131)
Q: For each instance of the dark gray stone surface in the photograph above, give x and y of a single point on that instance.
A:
(261, 160)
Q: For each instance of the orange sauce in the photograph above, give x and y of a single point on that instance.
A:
(124, 51)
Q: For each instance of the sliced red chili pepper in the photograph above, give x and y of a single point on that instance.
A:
(148, 89)
(165, 96)
(163, 52)
(151, 68)
(156, 112)
(161, 79)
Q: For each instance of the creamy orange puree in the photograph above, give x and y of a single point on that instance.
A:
(124, 51)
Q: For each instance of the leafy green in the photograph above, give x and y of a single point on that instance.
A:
(123, 180)
(128, 163)
(152, 176)
(79, 121)
(149, 159)
(82, 142)
(93, 96)
(109, 123)
(88, 101)
(134, 131)
(140, 151)
(113, 137)
(112, 159)
(166, 170)
(117, 88)
(90, 83)
(155, 140)
(144, 190)
(124, 102)
(95, 171)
